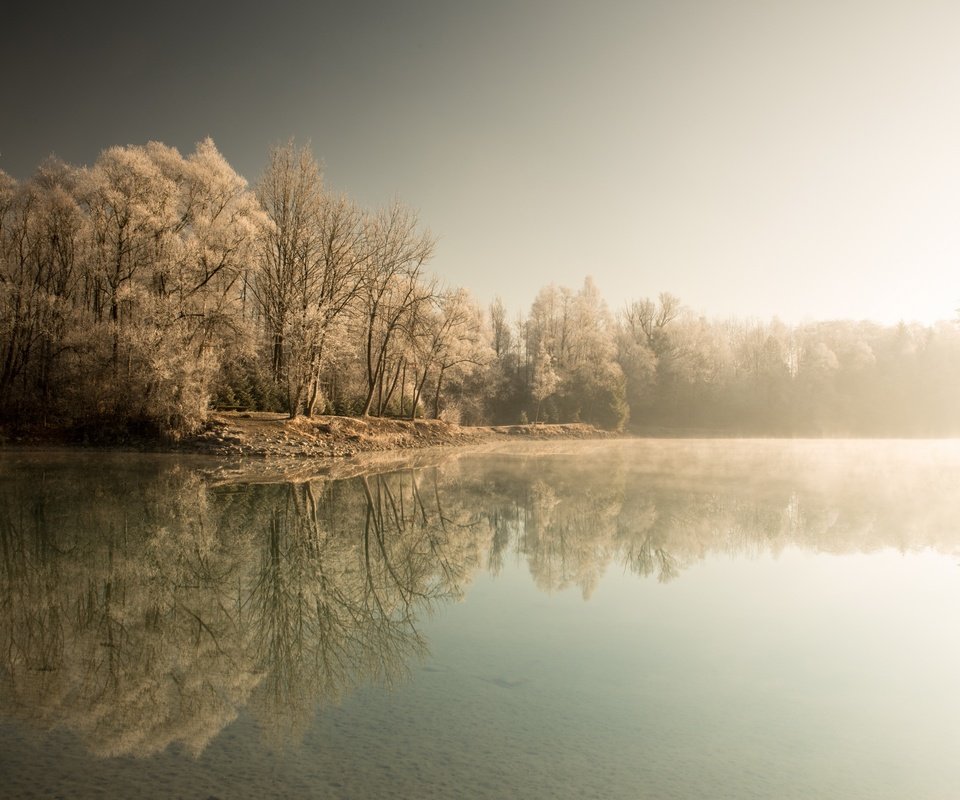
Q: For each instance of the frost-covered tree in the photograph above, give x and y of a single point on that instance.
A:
(545, 379)
(448, 341)
(119, 284)
(393, 290)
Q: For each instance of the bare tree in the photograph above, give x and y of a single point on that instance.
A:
(447, 335)
(648, 318)
(313, 255)
(291, 193)
(392, 290)
(342, 263)
(500, 328)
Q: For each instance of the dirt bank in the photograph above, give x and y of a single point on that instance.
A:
(268, 435)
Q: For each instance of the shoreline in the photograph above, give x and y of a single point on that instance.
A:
(273, 436)
(268, 435)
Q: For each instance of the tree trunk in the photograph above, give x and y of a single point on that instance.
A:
(312, 393)
(436, 396)
(293, 401)
(277, 360)
(393, 385)
(418, 393)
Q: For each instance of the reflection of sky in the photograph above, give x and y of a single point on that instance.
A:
(797, 676)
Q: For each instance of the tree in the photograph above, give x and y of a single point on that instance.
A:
(313, 257)
(171, 238)
(392, 290)
(447, 337)
(290, 190)
(42, 250)
(545, 379)
(119, 283)
(500, 328)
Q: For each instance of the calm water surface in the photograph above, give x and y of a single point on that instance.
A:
(633, 619)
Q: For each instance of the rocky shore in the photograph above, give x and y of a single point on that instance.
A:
(270, 435)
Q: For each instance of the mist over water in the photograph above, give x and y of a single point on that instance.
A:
(622, 619)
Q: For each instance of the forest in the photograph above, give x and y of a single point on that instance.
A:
(141, 292)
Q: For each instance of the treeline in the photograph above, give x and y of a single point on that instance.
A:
(666, 369)
(136, 293)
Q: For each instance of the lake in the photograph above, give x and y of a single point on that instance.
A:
(626, 619)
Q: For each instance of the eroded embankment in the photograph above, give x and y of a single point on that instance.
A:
(269, 435)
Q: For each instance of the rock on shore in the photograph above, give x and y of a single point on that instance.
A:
(269, 435)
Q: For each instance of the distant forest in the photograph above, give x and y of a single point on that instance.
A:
(138, 293)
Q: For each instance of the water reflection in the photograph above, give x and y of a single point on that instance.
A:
(143, 604)
(148, 611)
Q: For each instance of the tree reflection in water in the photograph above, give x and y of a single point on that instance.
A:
(142, 605)
(146, 612)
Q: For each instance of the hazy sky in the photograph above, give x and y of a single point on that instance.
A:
(799, 159)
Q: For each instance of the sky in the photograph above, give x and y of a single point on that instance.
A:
(757, 159)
